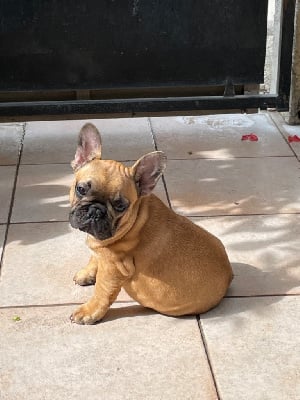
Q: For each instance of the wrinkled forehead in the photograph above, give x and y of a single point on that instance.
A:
(107, 175)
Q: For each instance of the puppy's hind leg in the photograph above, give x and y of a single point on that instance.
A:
(87, 276)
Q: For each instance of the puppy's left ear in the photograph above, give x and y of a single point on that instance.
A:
(147, 171)
(89, 146)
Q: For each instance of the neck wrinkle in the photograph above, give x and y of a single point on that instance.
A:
(96, 243)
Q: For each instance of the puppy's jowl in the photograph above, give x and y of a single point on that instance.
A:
(162, 260)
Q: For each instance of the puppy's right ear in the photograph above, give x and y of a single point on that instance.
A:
(89, 146)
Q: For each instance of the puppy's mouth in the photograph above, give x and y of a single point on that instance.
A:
(93, 219)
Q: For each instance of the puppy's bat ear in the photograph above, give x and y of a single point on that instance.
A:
(89, 146)
(147, 171)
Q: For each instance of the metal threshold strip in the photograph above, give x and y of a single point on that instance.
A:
(133, 107)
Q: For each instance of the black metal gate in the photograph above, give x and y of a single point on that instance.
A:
(70, 58)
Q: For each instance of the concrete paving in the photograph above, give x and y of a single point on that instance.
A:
(246, 193)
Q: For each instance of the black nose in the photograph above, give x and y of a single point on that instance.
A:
(96, 211)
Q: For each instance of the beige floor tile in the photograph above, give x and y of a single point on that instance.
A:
(48, 255)
(253, 345)
(42, 193)
(160, 192)
(39, 264)
(56, 141)
(7, 176)
(263, 250)
(218, 136)
(10, 142)
(2, 236)
(236, 186)
(133, 354)
(287, 130)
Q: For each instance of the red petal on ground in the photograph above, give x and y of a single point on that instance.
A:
(294, 138)
(251, 136)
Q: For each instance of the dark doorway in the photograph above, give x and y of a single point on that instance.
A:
(136, 57)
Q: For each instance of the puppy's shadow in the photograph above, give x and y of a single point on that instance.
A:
(252, 289)
(134, 310)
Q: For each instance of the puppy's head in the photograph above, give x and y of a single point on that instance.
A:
(104, 191)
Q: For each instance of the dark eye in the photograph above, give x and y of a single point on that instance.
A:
(82, 189)
(120, 205)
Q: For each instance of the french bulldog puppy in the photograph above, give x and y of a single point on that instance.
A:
(161, 259)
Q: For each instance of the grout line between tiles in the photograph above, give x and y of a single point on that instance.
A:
(66, 163)
(132, 301)
(38, 222)
(207, 356)
(249, 296)
(7, 165)
(13, 195)
(19, 306)
(228, 158)
(166, 190)
(239, 215)
(169, 159)
(156, 148)
(152, 134)
(203, 216)
(55, 305)
(38, 306)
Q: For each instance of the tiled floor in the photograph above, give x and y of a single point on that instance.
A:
(246, 193)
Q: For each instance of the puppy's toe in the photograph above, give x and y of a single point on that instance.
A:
(84, 278)
(82, 316)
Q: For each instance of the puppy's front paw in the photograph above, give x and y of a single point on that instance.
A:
(83, 316)
(84, 278)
